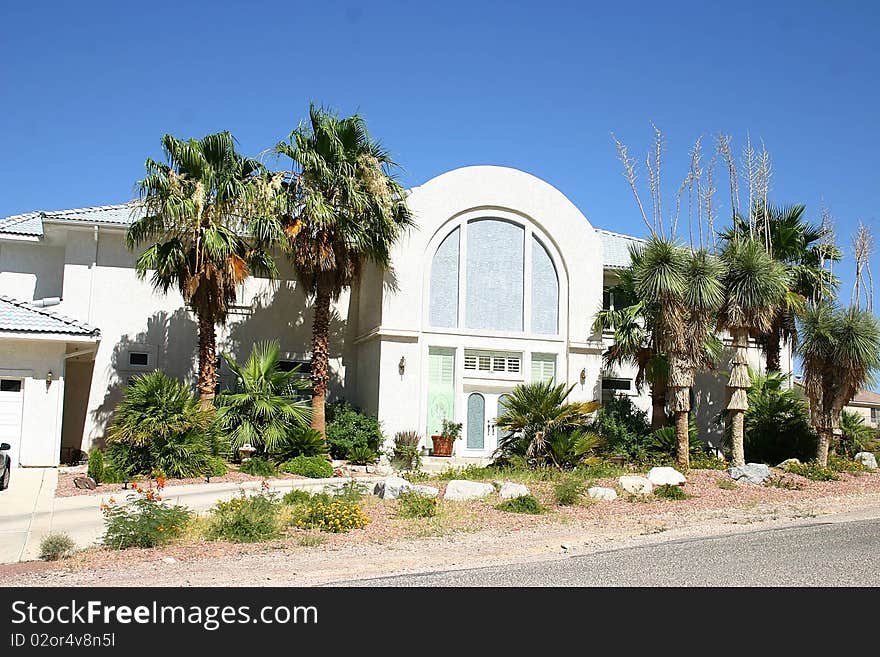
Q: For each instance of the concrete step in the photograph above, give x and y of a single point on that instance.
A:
(442, 463)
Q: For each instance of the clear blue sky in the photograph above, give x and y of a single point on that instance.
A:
(88, 88)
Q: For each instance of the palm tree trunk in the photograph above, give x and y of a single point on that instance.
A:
(207, 359)
(737, 432)
(658, 407)
(320, 359)
(824, 444)
(682, 457)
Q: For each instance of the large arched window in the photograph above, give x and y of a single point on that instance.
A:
(505, 281)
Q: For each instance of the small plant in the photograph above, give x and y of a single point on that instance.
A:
(96, 465)
(781, 481)
(216, 467)
(568, 492)
(411, 504)
(406, 450)
(258, 467)
(301, 441)
(56, 546)
(670, 492)
(451, 430)
(844, 464)
(335, 516)
(315, 467)
(522, 504)
(351, 491)
(144, 522)
(245, 519)
(707, 462)
(296, 496)
(812, 470)
(726, 484)
(361, 455)
(311, 540)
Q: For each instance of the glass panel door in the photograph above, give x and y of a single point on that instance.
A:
(476, 421)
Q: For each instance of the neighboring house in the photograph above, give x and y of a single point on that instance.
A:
(867, 404)
(498, 285)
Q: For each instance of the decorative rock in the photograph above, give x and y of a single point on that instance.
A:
(85, 482)
(600, 493)
(427, 491)
(391, 488)
(361, 469)
(866, 459)
(460, 490)
(636, 485)
(787, 462)
(754, 473)
(510, 490)
(169, 559)
(666, 475)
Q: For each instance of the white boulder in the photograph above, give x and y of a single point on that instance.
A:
(666, 475)
(754, 473)
(867, 459)
(427, 491)
(390, 488)
(787, 462)
(461, 490)
(510, 490)
(600, 493)
(636, 484)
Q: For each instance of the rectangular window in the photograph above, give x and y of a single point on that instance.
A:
(138, 359)
(490, 363)
(616, 386)
(544, 368)
(10, 385)
(875, 415)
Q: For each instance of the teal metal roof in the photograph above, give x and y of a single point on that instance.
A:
(615, 248)
(19, 316)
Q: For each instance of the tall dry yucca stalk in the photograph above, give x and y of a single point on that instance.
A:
(863, 246)
(724, 149)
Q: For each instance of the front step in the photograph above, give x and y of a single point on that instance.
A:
(436, 464)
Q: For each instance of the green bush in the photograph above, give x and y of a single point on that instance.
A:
(844, 464)
(315, 467)
(568, 492)
(258, 467)
(348, 428)
(411, 504)
(726, 484)
(406, 450)
(335, 515)
(856, 436)
(625, 428)
(296, 496)
(664, 441)
(217, 466)
(96, 465)
(670, 492)
(144, 522)
(244, 519)
(522, 504)
(361, 455)
(781, 481)
(707, 462)
(812, 470)
(55, 546)
(301, 442)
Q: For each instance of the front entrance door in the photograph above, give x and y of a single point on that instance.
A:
(480, 433)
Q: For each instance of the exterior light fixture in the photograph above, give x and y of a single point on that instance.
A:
(401, 366)
(48, 379)
(583, 376)
(124, 482)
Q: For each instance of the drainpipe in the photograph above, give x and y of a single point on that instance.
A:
(92, 276)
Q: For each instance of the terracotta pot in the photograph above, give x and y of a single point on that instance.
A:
(442, 445)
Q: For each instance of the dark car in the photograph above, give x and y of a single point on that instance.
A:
(5, 465)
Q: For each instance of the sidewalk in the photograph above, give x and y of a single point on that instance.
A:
(32, 511)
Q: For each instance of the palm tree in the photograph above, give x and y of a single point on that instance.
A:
(840, 349)
(803, 248)
(755, 289)
(855, 435)
(682, 290)
(262, 408)
(344, 209)
(535, 414)
(197, 209)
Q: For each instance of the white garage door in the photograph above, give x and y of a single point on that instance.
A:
(11, 404)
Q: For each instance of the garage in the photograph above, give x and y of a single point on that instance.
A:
(11, 409)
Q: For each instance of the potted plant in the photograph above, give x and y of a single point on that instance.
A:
(449, 433)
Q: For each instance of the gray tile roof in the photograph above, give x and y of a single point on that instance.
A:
(30, 223)
(19, 316)
(615, 248)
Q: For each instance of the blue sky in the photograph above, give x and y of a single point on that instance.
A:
(87, 89)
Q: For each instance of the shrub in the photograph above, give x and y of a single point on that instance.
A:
(569, 448)
(406, 450)
(351, 491)
(670, 492)
(245, 519)
(664, 441)
(296, 496)
(812, 470)
(411, 504)
(96, 465)
(568, 492)
(624, 427)
(726, 484)
(843, 464)
(335, 515)
(315, 467)
(144, 522)
(522, 504)
(216, 466)
(361, 455)
(301, 442)
(781, 481)
(55, 546)
(707, 462)
(160, 425)
(258, 467)
(856, 436)
(347, 428)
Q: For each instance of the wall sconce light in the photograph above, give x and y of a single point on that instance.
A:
(48, 379)
(583, 376)
(401, 366)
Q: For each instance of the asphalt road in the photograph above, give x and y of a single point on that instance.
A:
(822, 554)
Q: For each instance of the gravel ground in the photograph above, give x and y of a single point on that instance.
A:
(463, 535)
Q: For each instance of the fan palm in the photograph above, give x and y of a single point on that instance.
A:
(755, 289)
(344, 209)
(840, 349)
(262, 409)
(855, 435)
(197, 208)
(535, 412)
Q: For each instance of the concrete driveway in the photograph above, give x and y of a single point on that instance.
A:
(29, 509)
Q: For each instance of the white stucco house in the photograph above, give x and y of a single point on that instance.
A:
(499, 284)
